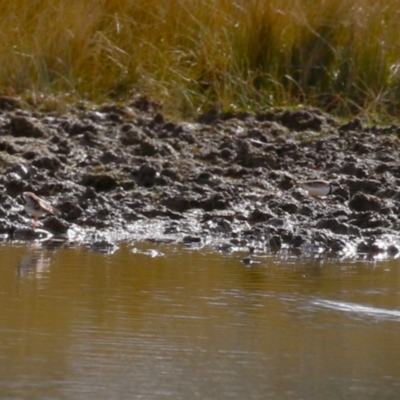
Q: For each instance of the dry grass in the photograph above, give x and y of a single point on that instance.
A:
(342, 55)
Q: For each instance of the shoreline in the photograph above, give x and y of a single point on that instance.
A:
(228, 179)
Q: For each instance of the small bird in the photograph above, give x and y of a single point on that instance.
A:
(37, 207)
(319, 188)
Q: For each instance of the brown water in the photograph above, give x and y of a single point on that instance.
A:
(195, 325)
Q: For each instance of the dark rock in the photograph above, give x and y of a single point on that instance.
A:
(250, 157)
(172, 228)
(203, 177)
(209, 117)
(275, 242)
(79, 128)
(25, 234)
(102, 246)
(3, 214)
(396, 196)
(287, 148)
(100, 182)
(260, 215)
(172, 127)
(14, 184)
(370, 186)
(115, 109)
(179, 203)
(222, 225)
(25, 127)
(19, 169)
(353, 125)
(90, 138)
(321, 238)
(299, 120)
(8, 103)
(47, 162)
(354, 170)
(298, 241)
(342, 194)
(338, 245)
(132, 135)
(172, 174)
(368, 220)
(392, 250)
(373, 232)
(50, 187)
(114, 117)
(191, 239)
(365, 202)
(8, 147)
(187, 137)
(146, 175)
(102, 213)
(291, 208)
(334, 226)
(227, 154)
(153, 212)
(306, 210)
(283, 177)
(144, 104)
(56, 225)
(277, 222)
(72, 211)
(30, 155)
(109, 156)
(214, 202)
(158, 119)
(89, 194)
(369, 247)
(362, 148)
(269, 116)
(388, 193)
(127, 184)
(298, 193)
(218, 225)
(152, 148)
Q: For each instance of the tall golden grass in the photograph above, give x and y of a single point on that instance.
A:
(341, 55)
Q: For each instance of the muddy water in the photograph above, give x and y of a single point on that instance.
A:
(164, 322)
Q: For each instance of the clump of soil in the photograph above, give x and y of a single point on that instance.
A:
(228, 179)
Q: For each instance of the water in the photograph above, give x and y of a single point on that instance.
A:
(164, 322)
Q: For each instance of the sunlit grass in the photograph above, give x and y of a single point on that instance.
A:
(340, 55)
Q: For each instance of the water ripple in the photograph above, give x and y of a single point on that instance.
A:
(383, 313)
(359, 309)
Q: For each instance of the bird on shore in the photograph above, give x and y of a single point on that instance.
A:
(37, 207)
(319, 188)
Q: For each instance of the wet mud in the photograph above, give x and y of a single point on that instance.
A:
(123, 173)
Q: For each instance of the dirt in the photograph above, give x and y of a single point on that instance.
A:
(122, 172)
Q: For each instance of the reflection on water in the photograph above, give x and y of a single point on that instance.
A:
(34, 263)
(164, 322)
(359, 309)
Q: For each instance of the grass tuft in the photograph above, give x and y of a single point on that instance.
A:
(340, 55)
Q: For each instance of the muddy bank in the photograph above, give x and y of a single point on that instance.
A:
(121, 172)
